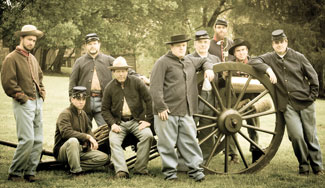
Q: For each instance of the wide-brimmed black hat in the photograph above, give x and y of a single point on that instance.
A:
(278, 34)
(91, 37)
(178, 39)
(202, 34)
(239, 42)
(221, 22)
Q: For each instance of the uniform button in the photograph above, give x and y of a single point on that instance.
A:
(284, 68)
(288, 92)
(89, 81)
(286, 80)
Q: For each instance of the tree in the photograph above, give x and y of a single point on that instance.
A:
(302, 20)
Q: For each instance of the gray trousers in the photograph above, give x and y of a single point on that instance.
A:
(145, 138)
(30, 137)
(71, 153)
(179, 131)
(96, 111)
(301, 127)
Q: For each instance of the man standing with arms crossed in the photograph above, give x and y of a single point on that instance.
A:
(21, 78)
(174, 92)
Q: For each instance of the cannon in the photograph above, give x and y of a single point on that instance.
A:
(230, 115)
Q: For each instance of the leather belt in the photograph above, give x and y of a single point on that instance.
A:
(96, 94)
(128, 118)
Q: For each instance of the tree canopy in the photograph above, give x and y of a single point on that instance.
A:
(142, 27)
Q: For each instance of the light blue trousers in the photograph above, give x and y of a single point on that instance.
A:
(301, 127)
(29, 127)
(96, 111)
(179, 131)
(145, 138)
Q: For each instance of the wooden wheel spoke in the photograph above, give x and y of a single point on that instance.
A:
(216, 91)
(259, 129)
(243, 91)
(206, 126)
(228, 89)
(207, 137)
(205, 116)
(249, 104)
(251, 141)
(209, 105)
(239, 150)
(258, 114)
(214, 149)
(226, 152)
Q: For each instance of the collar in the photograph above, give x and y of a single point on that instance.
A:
(282, 56)
(22, 51)
(125, 82)
(245, 61)
(73, 109)
(90, 57)
(171, 55)
(198, 55)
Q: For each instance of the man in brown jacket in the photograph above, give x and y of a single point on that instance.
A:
(74, 141)
(21, 79)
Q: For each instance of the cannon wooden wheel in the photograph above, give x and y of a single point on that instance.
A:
(229, 122)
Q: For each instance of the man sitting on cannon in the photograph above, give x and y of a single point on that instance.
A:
(74, 141)
(124, 112)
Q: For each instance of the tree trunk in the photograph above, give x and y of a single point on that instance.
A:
(58, 61)
(43, 58)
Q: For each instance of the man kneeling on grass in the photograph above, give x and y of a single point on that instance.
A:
(74, 141)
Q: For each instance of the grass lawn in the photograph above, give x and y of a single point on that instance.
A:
(281, 172)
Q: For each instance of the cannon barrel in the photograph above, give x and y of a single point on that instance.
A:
(14, 145)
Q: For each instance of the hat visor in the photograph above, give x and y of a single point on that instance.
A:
(244, 43)
(36, 33)
(201, 38)
(178, 41)
(119, 68)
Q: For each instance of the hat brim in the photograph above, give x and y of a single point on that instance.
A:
(244, 43)
(36, 33)
(119, 68)
(178, 41)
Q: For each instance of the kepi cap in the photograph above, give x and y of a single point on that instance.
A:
(91, 37)
(221, 22)
(79, 92)
(202, 34)
(278, 34)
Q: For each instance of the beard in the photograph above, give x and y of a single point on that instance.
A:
(28, 48)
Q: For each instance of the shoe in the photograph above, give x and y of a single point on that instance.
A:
(171, 179)
(121, 174)
(30, 178)
(234, 159)
(200, 179)
(305, 173)
(319, 173)
(15, 178)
